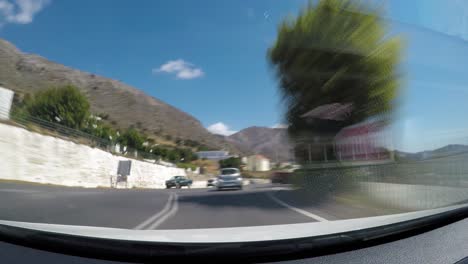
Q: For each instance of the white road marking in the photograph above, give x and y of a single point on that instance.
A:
(169, 214)
(166, 208)
(281, 188)
(303, 212)
(234, 234)
(20, 191)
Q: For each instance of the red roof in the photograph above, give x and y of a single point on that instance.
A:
(360, 129)
(259, 156)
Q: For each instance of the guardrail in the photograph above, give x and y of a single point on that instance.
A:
(56, 129)
(31, 122)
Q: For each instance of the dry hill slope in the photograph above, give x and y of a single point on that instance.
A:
(271, 142)
(124, 104)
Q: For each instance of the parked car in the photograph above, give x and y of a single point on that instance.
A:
(281, 177)
(178, 182)
(211, 182)
(229, 178)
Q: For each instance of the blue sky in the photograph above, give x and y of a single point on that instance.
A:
(208, 58)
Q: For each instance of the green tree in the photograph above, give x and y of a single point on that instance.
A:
(335, 52)
(230, 163)
(132, 139)
(151, 141)
(99, 129)
(20, 101)
(106, 132)
(173, 155)
(64, 105)
(187, 155)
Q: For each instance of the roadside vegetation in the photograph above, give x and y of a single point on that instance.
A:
(232, 162)
(67, 107)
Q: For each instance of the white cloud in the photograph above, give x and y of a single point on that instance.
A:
(280, 126)
(20, 11)
(182, 69)
(220, 129)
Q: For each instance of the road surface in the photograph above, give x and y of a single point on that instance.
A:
(257, 204)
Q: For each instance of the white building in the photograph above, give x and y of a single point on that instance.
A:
(244, 160)
(6, 99)
(365, 141)
(257, 163)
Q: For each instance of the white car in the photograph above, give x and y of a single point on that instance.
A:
(229, 178)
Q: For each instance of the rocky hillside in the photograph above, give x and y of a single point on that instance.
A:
(270, 142)
(125, 105)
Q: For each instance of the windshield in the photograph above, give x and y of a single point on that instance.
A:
(116, 114)
(229, 171)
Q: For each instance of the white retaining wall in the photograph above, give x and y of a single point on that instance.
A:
(148, 175)
(33, 157)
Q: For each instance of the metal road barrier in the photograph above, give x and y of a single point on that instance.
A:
(55, 129)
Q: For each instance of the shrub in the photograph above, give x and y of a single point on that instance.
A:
(65, 105)
(230, 163)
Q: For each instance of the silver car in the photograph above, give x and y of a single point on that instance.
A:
(229, 178)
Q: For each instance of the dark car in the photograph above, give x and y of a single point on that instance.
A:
(178, 182)
(281, 177)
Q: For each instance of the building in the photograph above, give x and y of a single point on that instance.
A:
(6, 99)
(244, 160)
(257, 163)
(213, 155)
(367, 141)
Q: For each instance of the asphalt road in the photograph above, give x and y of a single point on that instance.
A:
(258, 204)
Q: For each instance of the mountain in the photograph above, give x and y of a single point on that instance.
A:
(448, 150)
(125, 105)
(270, 142)
(451, 149)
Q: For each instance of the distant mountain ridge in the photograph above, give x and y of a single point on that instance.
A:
(270, 142)
(451, 149)
(125, 105)
(274, 144)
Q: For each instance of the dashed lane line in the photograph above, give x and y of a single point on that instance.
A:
(298, 210)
